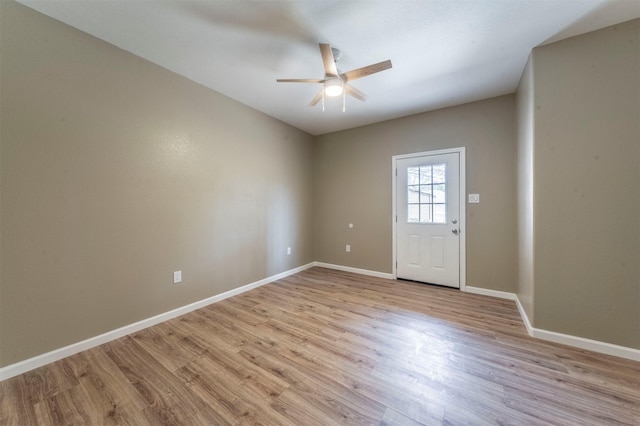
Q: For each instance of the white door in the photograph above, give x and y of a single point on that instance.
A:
(428, 219)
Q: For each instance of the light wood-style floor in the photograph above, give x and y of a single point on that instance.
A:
(325, 347)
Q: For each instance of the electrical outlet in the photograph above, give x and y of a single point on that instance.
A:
(348, 248)
(289, 251)
(474, 198)
(177, 277)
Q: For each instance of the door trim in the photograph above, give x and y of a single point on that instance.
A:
(463, 208)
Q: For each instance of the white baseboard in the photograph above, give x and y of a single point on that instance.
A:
(488, 292)
(58, 354)
(524, 316)
(564, 339)
(588, 344)
(575, 341)
(354, 270)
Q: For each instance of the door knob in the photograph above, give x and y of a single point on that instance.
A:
(455, 231)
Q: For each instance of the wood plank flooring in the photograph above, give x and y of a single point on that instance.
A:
(325, 347)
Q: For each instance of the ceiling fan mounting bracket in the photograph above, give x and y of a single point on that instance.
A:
(337, 54)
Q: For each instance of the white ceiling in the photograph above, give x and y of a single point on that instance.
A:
(444, 52)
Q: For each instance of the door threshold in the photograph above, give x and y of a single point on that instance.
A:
(426, 283)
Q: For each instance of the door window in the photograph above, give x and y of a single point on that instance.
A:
(427, 194)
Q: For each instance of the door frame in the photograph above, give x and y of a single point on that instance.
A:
(463, 209)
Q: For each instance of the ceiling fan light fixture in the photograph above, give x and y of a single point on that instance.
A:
(333, 87)
(336, 83)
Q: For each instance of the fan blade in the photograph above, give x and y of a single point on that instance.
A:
(317, 98)
(365, 71)
(328, 60)
(299, 80)
(350, 90)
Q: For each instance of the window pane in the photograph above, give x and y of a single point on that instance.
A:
(439, 194)
(413, 175)
(414, 193)
(425, 213)
(414, 213)
(439, 213)
(439, 175)
(425, 194)
(425, 174)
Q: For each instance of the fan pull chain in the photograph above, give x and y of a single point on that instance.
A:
(323, 99)
(344, 97)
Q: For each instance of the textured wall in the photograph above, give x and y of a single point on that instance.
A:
(587, 185)
(116, 172)
(353, 185)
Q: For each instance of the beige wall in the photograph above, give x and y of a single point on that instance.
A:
(116, 172)
(353, 185)
(587, 185)
(525, 114)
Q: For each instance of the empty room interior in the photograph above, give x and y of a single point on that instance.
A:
(187, 236)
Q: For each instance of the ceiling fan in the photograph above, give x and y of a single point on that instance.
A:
(335, 83)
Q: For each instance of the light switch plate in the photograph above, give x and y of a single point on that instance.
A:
(474, 198)
(177, 277)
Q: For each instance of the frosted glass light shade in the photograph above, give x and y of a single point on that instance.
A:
(333, 87)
